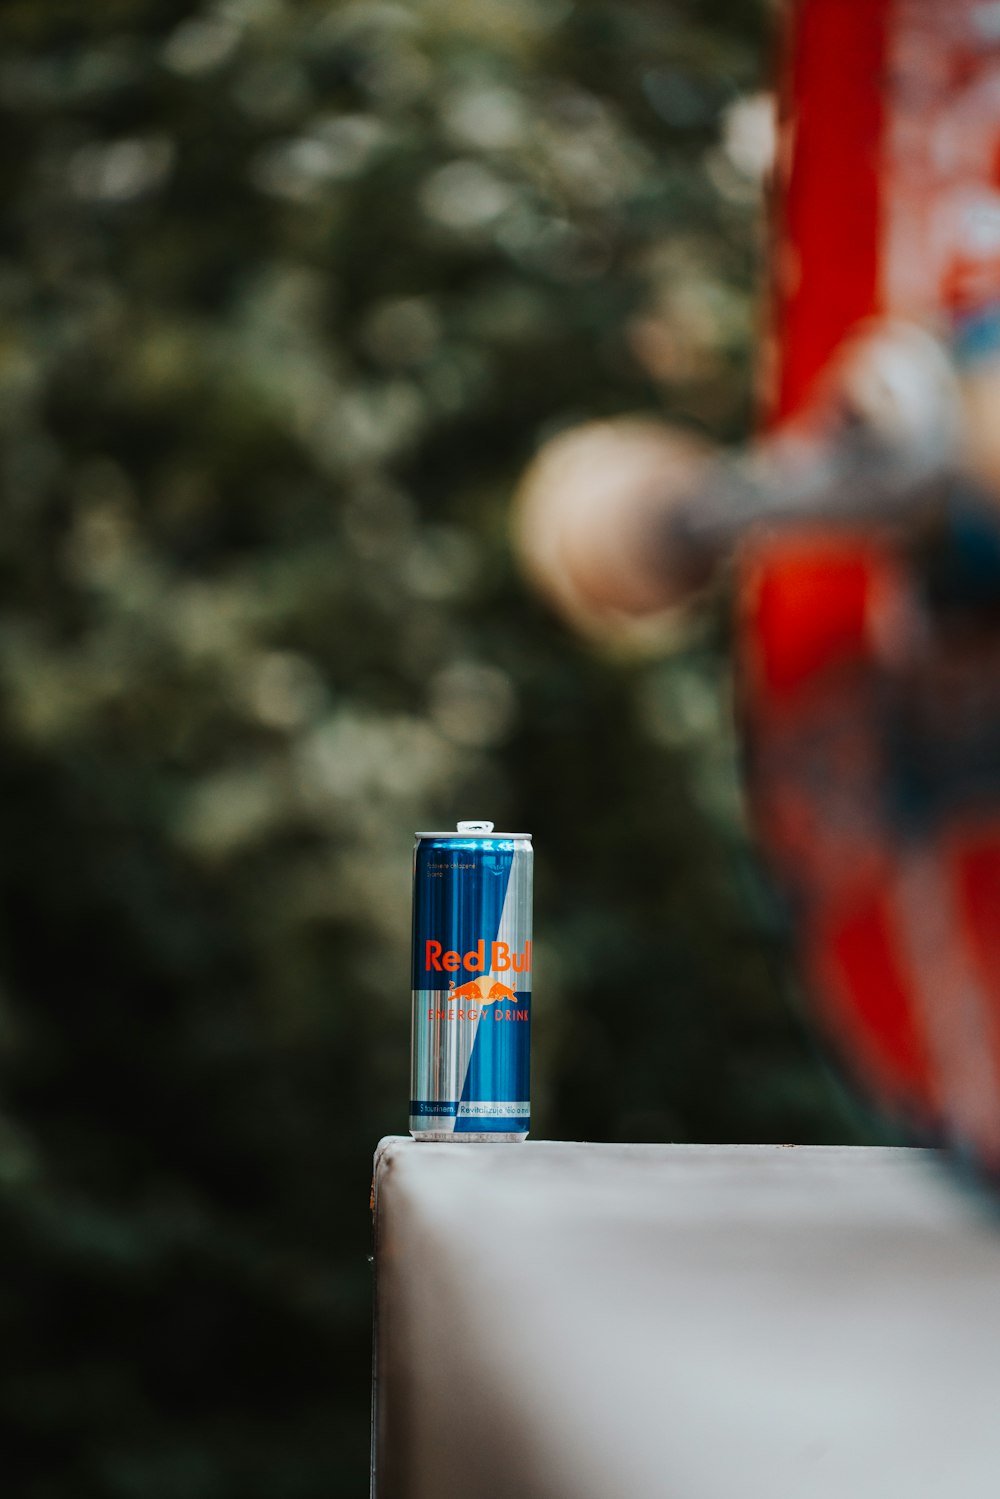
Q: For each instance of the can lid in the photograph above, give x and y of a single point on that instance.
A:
(474, 828)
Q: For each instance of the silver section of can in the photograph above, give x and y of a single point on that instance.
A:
(441, 1052)
(515, 919)
(474, 827)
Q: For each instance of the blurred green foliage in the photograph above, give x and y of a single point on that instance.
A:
(289, 293)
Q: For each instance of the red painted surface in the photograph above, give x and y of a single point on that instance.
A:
(868, 997)
(826, 276)
(808, 611)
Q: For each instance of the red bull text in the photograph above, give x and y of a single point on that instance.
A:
(471, 984)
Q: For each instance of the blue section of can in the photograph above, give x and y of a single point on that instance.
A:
(459, 887)
(471, 962)
(498, 1067)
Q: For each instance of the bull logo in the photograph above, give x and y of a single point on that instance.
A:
(473, 990)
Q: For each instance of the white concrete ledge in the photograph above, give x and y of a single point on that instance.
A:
(577, 1321)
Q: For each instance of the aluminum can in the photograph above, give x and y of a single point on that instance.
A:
(471, 984)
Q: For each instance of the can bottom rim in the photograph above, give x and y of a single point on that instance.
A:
(469, 1137)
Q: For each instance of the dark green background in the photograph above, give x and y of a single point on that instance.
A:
(288, 295)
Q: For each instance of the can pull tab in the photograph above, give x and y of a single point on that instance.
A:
(475, 827)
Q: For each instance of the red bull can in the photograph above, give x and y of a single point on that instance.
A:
(471, 984)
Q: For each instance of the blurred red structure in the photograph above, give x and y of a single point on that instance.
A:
(871, 669)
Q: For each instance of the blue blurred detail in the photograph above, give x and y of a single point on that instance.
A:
(976, 336)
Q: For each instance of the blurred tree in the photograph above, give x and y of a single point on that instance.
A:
(289, 291)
